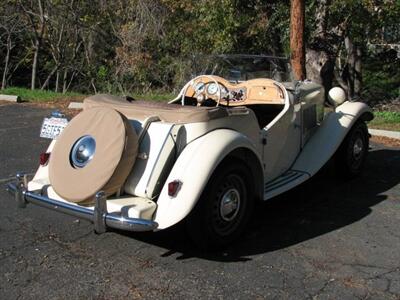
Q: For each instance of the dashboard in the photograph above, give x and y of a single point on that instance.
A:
(212, 88)
(254, 91)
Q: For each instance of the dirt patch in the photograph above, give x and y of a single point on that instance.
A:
(385, 141)
(387, 126)
(4, 102)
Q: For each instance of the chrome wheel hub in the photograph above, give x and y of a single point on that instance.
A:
(358, 148)
(229, 205)
(83, 151)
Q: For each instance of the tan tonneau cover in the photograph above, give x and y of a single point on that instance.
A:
(171, 113)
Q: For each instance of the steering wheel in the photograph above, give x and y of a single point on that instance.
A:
(200, 94)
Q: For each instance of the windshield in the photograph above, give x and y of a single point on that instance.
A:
(239, 67)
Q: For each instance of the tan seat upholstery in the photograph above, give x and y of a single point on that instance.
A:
(116, 146)
(171, 113)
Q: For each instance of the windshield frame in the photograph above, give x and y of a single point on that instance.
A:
(281, 63)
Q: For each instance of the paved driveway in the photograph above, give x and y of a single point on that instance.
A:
(327, 239)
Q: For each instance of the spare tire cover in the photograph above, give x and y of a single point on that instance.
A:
(112, 144)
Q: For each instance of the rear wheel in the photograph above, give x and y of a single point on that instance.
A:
(352, 153)
(224, 208)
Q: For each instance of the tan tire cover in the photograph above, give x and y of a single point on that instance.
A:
(114, 156)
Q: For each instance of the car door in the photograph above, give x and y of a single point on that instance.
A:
(283, 140)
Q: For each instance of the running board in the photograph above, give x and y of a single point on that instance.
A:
(283, 183)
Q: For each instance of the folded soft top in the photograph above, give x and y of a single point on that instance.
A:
(171, 113)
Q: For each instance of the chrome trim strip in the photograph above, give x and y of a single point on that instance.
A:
(145, 127)
(112, 220)
(289, 176)
(282, 183)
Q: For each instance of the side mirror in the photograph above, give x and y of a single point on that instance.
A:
(336, 96)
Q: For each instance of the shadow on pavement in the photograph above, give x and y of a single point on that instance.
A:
(321, 205)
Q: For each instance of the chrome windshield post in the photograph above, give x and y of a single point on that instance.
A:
(100, 212)
(22, 182)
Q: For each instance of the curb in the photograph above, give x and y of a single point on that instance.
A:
(75, 105)
(10, 98)
(385, 133)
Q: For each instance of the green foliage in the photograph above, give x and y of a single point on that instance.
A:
(102, 73)
(386, 120)
(379, 85)
(381, 77)
(136, 46)
(387, 116)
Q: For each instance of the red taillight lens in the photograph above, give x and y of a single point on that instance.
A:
(44, 158)
(173, 188)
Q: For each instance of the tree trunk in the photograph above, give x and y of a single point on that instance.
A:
(65, 81)
(93, 85)
(297, 48)
(57, 80)
(351, 74)
(7, 60)
(349, 69)
(34, 64)
(46, 83)
(357, 73)
(70, 80)
(37, 32)
(321, 51)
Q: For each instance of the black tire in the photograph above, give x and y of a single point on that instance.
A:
(211, 225)
(352, 153)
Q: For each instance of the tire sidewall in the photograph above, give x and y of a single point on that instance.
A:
(202, 221)
(348, 163)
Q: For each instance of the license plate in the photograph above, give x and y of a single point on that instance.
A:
(52, 127)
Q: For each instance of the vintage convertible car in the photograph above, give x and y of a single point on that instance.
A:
(204, 158)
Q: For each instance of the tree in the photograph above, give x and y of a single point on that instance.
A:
(11, 28)
(297, 46)
(34, 12)
(323, 45)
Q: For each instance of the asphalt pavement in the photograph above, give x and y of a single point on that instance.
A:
(327, 239)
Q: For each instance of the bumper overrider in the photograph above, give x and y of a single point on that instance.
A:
(98, 216)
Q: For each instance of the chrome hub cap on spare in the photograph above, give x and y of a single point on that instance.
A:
(82, 151)
(229, 205)
(358, 148)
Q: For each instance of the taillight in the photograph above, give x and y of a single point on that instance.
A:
(173, 187)
(44, 158)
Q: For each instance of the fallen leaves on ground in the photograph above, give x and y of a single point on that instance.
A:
(385, 141)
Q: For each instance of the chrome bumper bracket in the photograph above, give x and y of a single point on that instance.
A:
(99, 216)
(20, 189)
(100, 212)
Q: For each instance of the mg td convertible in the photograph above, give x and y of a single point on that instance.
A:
(203, 159)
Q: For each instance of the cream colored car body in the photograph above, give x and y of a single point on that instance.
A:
(281, 155)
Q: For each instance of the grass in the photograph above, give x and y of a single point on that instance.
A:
(49, 96)
(386, 120)
(39, 95)
(155, 96)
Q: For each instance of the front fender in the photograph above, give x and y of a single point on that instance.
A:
(324, 143)
(193, 168)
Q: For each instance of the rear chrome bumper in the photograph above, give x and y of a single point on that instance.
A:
(98, 216)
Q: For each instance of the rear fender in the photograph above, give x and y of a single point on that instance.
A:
(193, 169)
(327, 139)
(41, 177)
